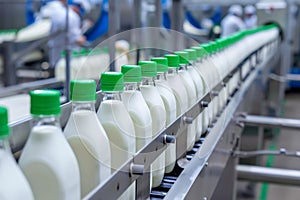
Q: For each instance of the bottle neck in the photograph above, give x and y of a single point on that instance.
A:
(148, 81)
(173, 70)
(46, 120)
(4, 144)
(192, 63)
(183, 67)
(131, 86)
(115, 95)
(161, 76)
(83, 105)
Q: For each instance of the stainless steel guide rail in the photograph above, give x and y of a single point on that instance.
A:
(134, 168)
(26, 87)
(266, 121)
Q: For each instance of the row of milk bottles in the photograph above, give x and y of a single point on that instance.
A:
(137, 105)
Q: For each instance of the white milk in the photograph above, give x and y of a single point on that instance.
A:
(191, 93)
(13, 183)
(216, 79)
(206, 70)
(170, 105)
(50, 165)
(140, 115)
(179, 92)
(158, 115)
(119, 128)
(205, 112)
(218, 61)
(199, 89)
(91, 146)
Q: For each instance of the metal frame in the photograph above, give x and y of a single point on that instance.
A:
(26, 87)
(253, 120)
(10, 59)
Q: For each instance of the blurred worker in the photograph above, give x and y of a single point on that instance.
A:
(56, 11)
(250, 17)
(232, 22)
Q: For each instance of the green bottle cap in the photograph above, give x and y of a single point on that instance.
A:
(83, 90)
(207, 48)
(192, 54)
(112, 81)
(45, 102)
(132, 73)
(214, 47)
(183, 57)
(173, 60)
(222, 43)
(162, 63)
(198, 51)
(202, 52)
(149, 68)
(4, 129)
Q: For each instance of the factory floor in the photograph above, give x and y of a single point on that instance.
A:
(288, 139)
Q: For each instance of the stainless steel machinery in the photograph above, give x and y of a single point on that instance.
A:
(208, 171)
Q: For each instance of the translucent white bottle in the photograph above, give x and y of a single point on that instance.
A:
(192, 55)
(47, 160)
(191, 92)
(170, 105)
(211, 71)
(13, 183)
(176, 85)
(136, 105)
(221, 69)
(87, 137)
(117, 123)
(158, 114)
(199, 65)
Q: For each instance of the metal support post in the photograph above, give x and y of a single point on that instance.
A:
(10, 71)
(114, 24)
(136, 23)
(68, 57)
(286, 51)
(177, 22)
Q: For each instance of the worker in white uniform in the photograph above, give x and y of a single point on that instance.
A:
(250, 17)
(57, 14)
(232, 22)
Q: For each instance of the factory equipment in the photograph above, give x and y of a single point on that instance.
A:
(209, 167)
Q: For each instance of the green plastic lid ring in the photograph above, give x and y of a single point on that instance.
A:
(83, 90)
(112, 82)
(198, 51)
(45, 102)
(4, 129)
(183, 57)
(173, 60)
(149, 68)
(132, 73)
(192, 54)
(162, 63)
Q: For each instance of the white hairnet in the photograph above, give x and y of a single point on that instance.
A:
(85, 4)
(236, 10)
(250, 9)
